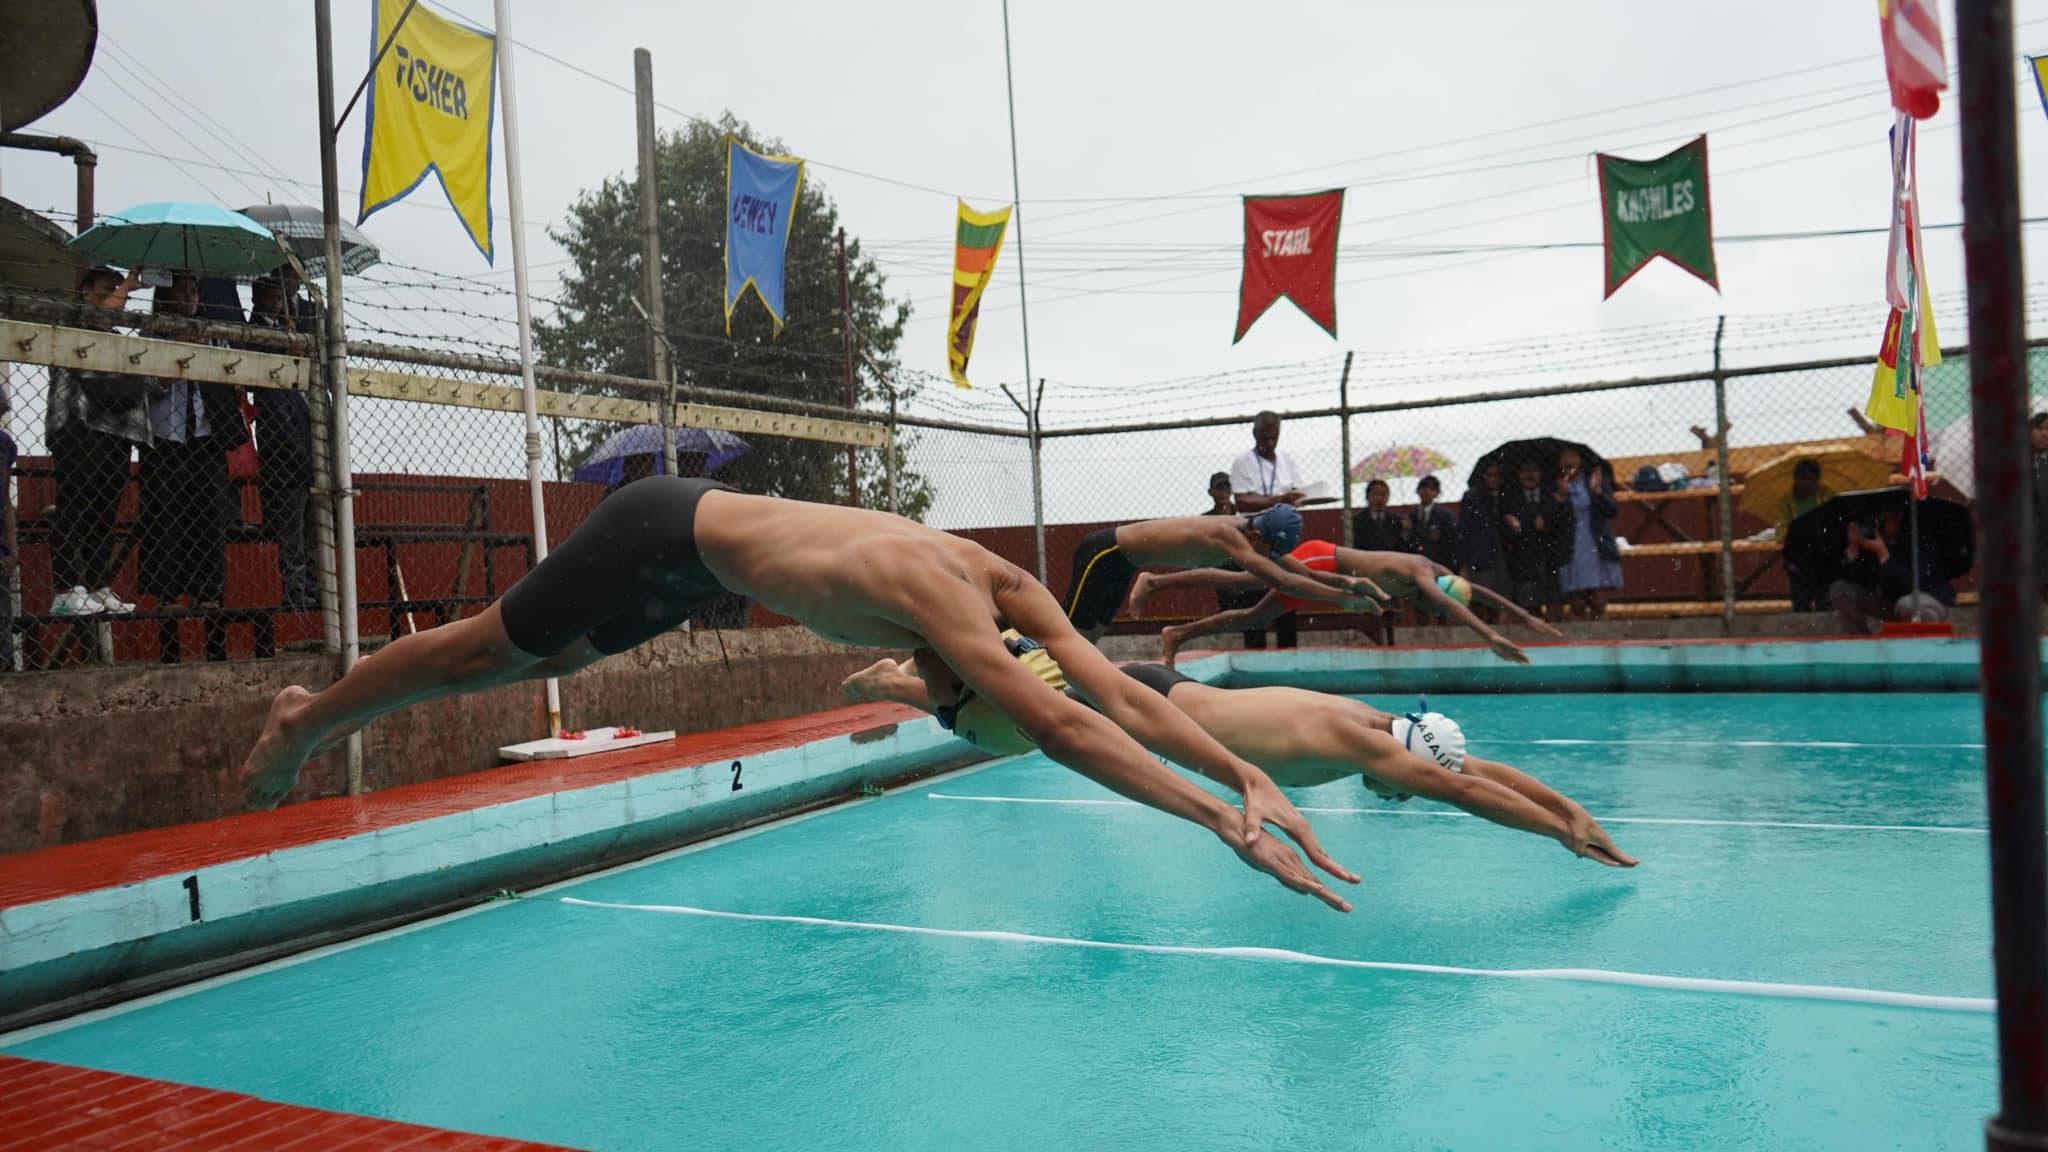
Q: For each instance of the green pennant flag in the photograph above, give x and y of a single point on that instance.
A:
(1654, 208)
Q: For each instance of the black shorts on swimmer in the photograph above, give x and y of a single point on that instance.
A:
(1100, 580)
(1433, 736)
(628, 573)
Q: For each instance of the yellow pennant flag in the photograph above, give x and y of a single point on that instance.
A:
(1893, 404)
(431, 103)
(977, 239)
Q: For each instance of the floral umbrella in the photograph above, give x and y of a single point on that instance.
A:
(1392, 463)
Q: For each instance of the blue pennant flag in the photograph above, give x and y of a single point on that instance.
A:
(760, 204)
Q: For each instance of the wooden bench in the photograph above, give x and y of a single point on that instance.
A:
(1672, 609)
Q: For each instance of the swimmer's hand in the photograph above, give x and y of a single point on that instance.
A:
(1507, 649)
(1271, 855)
(1264, 804)
(1361, 587)
(1586, 838)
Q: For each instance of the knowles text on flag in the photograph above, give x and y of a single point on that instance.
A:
(760, 205)
(1290, 250)
(430, 108)
(1652, 208)
(977, 239)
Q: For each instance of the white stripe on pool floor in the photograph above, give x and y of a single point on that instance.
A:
(1667, 820)
(1874, 996)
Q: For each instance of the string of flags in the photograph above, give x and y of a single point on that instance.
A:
(431, 110)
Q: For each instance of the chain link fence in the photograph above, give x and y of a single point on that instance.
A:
(171, 500)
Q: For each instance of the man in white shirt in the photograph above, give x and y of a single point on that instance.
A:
(1262, 475)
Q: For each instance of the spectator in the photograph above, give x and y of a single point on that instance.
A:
(1536, 529)
(1592, 561)
(1876, 579)
(1376, 529)
(284, 476)
(1219, 496)
(94, 421)
(185, 487)
(1262, 475)
(1226, 600)
(1808, 493)
(1435, 529)
(1482, 553)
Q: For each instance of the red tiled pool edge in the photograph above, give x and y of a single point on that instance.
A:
(49, 873)
(47, 1107)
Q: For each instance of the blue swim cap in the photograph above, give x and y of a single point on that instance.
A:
(1281, 526)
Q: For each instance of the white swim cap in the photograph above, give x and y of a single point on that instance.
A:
(1434, 737)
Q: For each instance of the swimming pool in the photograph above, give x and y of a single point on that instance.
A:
(1786, 840)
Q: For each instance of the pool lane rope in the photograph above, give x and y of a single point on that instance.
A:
(1766, 989)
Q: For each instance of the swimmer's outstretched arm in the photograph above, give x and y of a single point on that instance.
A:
(1502, 647)
(1159, 726)
(1506, 605)
(954, 622)
(1286, 574)
(1481, 794)
(1220, 579)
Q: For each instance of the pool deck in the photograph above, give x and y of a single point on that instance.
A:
(52, 1106)
(86, 924)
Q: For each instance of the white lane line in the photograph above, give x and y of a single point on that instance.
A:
(1874, 996)
(1666, 820)
(1585, 742)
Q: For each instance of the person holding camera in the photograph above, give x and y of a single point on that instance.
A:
(1875, 582)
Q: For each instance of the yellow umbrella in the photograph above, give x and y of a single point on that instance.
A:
(1842, 469)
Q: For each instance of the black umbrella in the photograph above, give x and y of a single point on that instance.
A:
(303, 231)
(1545, 451)
(1817, 543)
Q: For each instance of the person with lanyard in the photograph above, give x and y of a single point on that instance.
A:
(1262, 475)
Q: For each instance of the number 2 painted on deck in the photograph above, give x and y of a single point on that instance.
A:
(736, 785)
(191, 884)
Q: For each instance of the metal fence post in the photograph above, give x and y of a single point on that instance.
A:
(889, 454)
(319, 397)
(337, 377)
(2010, 642)
(1344, 440)
(650, 260)
(1038, 478)
(1725, 499)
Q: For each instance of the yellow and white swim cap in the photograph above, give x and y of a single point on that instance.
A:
(983, 725)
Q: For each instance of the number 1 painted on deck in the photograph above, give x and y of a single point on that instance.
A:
(192, 891)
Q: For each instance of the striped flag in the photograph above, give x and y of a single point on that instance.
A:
(1910, 341)
(1914, 61)
(976, 239)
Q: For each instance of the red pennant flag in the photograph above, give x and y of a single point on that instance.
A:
(1290, 249)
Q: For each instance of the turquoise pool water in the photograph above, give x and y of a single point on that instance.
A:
(624, 1030)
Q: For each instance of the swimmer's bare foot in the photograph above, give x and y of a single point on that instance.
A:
(871, 683)
(1142, 591)
(1169, 643)
(272, 768)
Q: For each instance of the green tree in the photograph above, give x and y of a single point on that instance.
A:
(599, 328)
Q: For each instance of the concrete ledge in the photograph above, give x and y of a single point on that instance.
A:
(76, 950)
(1841, 665)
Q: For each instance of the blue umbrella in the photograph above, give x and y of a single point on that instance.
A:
(607, 465)
(183, 236)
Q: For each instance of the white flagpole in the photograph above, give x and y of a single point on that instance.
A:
(515, 200)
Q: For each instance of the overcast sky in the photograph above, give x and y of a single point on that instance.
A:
(1138, 125)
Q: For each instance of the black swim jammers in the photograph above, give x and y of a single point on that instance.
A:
(1100, 581)
(1157, 677)
(628, 573)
